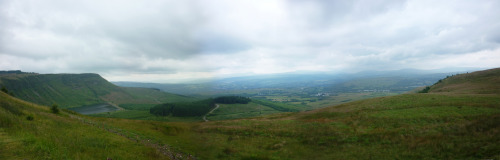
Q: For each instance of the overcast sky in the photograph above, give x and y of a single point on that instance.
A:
(182, 40)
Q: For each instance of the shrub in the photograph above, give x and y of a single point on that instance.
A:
(425, 90)
(54, 108)
(4, 90)
(30, 118)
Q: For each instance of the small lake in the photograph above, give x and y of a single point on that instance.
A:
(93, 109)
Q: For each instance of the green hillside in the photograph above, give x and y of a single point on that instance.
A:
(481, 82)
(73, 90)
(30, 131)
(142, 98)
(67, 90)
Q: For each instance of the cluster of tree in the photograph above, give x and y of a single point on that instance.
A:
(55, 108)
(425, 90)
(232, 100)
(6, 91)
(197, 108)
(183, 109)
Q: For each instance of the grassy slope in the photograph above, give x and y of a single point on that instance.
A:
(73, 90)
(145, 115)
(346, 97)
(481, 82)
(442, 125)
(59, 136)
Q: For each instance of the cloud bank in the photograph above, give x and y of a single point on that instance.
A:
(171, 41)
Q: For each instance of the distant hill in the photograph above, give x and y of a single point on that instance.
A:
(481, 82)
(73, 90)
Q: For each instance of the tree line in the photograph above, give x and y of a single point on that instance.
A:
(232, 100)
(183, 109)
(197, 108)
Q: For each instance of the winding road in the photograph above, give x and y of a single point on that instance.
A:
(205, 116)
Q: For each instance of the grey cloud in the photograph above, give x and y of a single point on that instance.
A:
(213, 43)
(157, 29)
(229, 37)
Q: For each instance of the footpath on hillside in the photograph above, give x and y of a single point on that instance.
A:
(205, 116)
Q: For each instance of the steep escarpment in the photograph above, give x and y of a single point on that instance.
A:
(67, 90)
(73, 90)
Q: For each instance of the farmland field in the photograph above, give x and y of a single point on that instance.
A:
(236, 111)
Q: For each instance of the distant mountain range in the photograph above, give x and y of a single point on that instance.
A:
(399, 80)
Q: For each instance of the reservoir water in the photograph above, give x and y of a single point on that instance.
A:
(93, 109)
